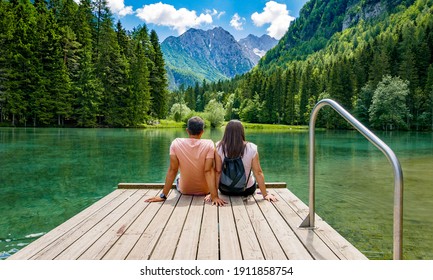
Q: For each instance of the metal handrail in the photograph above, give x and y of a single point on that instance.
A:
(398, 174)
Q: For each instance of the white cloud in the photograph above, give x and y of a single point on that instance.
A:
(277, 15)
(237, 22)
(221, 14)
(167, 15)
(211, 12)
(215, 12)
(117, 7)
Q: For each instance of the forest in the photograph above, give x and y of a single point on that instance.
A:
(69, 64)
(380, 70)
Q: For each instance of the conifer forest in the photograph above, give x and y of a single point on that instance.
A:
(63, 63)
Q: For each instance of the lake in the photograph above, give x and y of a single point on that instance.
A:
(47, 175)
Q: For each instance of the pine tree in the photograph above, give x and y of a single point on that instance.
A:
(190, 98)
(292, 90)
(53, 95)
(429, 92)
(87, 87)
(304, 94)
(6, 32)
(112, 69)
(140, 90)
(158, 80)
(22, 62)
(123, 40)
(198, 96)
(65, 12)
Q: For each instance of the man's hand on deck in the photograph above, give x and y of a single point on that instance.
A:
(154, 199)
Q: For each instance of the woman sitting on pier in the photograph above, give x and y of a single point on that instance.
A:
(232, 146)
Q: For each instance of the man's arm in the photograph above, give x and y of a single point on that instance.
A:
(169, 178)
(218, 166)
(209, 174)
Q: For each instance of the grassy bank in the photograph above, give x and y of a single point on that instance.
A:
(274, 126)
(173, 124)
(252, 126)
(165, 124)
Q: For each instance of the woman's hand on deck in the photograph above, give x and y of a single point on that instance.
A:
(270, 197)
(215, 201)
(218, 201)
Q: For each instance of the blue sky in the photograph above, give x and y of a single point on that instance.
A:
(240, 18)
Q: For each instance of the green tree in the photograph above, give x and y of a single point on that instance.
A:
(251, 110)
(199, 98)
(388, 109)
(179, 111)
(22, 64)
(112, 68)
(363, 103)
(429, 91)
(292, 90)
(6, 35)
(214, 112)
(190, 97)
(53, 96)
(140, 101)
(87, 87)
(158, 81)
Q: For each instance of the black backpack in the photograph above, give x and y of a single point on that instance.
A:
(233, 179)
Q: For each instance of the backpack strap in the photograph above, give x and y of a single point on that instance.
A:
(249, 174)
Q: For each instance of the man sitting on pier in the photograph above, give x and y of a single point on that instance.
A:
(194, 157)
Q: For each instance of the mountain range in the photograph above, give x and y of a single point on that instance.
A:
(211, 55)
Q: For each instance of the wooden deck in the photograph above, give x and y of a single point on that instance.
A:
(122, 226)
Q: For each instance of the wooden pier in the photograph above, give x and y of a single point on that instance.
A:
(121, 226)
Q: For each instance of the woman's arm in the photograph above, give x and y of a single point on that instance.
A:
(260, 178)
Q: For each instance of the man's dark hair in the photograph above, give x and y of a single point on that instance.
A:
(195, 125)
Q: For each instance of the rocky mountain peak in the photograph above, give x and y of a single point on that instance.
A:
(212, 55)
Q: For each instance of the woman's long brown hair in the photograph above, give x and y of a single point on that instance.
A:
(233, 142)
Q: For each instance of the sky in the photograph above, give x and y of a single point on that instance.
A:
(239, 17)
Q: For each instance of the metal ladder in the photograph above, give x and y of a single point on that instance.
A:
(398, 174)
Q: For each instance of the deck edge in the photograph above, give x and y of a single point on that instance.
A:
(161, 185)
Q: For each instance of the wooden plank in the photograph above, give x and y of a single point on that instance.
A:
(289, 242)
(208, 246)
(44, 241)
(161, 185)
(247, 237)
(170, 235)
(230, 248)
(149, 239)
(268, 242)
(101, 246)
(189, 238)
(317, 248)
(121, 249)
(276, 185)
(55, 248)
(142, 186)
(337, 243)
(90, 237)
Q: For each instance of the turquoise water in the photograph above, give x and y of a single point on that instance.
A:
(48, 175)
